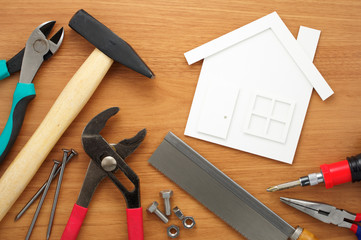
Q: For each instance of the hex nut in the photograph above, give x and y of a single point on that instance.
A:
(178, 213)
(173, 231)
(188, 222)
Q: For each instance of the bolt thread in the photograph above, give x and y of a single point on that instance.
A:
(167, 207)
(161, 216)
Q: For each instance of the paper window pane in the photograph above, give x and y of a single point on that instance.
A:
(281, 111)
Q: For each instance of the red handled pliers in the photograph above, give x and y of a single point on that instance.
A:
(106, 159)
(328, 214)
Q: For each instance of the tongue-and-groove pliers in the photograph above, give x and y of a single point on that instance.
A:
(106, 159)
(37, 49)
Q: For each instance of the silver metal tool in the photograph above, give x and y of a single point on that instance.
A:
(219, 193)
(38, 193)
(309, 180)
(153, 208)
(327, 214)
(173, 231)
(51, 176)
(166, 195)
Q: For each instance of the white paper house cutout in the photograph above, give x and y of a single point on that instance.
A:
(254, 88)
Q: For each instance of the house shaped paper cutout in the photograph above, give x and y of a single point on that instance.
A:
(254, 88)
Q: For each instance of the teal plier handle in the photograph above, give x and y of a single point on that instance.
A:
(24, 93)
(4, 72)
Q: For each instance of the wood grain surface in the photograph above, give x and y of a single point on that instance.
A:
(161, 31)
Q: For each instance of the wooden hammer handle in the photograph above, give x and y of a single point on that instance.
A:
(67, 106)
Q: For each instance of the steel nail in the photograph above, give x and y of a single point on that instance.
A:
(37, 194)
(56, 196)
(51, 176)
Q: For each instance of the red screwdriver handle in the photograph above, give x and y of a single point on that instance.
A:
(336, 173)
(135, 223)
(342, 172)
(75, 221)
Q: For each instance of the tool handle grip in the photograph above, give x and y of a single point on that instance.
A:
(24, 93)
(357, 230)
(135, 223)
(4, 72)
(67, 106)
(342, 172)
(75, 221)
(307, 235)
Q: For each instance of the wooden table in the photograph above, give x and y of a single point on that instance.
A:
(161, 31)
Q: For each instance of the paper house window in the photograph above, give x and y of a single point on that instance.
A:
(269, 117)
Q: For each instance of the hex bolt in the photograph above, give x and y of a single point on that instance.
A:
(173, 231)
(153, 208)
(166, 195)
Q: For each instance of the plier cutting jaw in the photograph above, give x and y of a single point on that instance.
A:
(327, 213)
(106, 159)
(38, 48)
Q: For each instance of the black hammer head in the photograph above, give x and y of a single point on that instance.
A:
(108, 42)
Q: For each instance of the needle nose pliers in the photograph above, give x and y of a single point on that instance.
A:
(106, 159)
(38, 48)
(327, 214)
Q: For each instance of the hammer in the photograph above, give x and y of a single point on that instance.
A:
(109, 48)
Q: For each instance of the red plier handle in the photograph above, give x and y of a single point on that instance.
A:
(134, 221)
(74, 223)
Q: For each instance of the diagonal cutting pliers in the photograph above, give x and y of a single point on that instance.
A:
(106, 159)
(37, 49)
(327, 214)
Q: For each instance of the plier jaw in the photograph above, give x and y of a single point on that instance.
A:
(38, 48)
(327, 213)
(105, 155)
(109, 161)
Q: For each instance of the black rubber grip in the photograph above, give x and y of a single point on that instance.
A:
(18, 118)
(355, 167)
(14, 64)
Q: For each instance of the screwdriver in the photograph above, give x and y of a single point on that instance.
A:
(331, 174)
